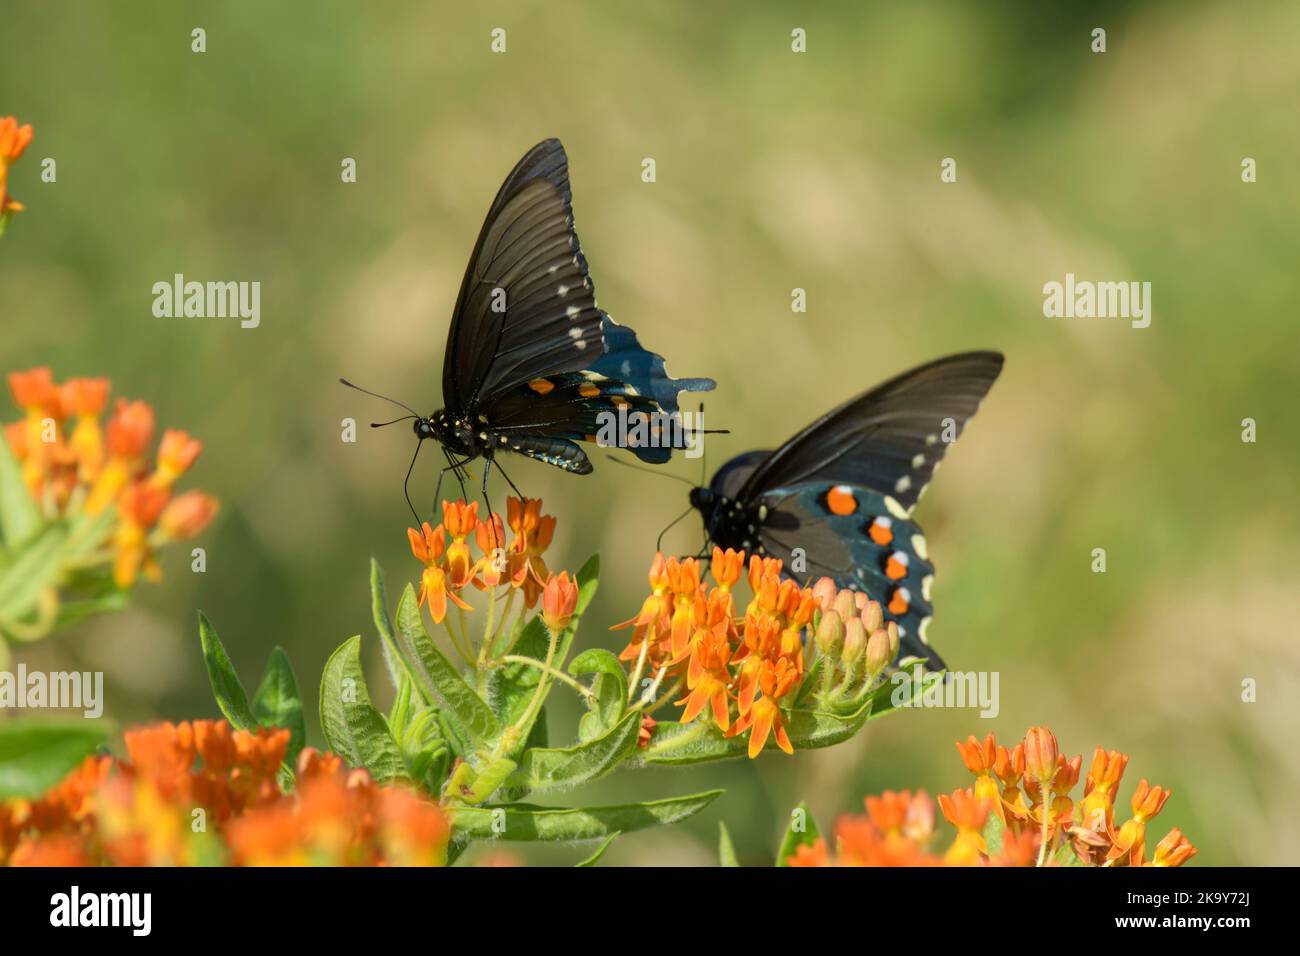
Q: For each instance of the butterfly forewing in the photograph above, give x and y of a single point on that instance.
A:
(889, 439)
(527, 306)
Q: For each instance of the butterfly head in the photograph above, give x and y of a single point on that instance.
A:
(702, 499)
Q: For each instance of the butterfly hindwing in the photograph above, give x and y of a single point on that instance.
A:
(850, 535)
(527, 305)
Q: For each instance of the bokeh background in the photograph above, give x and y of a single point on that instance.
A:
(775, 171)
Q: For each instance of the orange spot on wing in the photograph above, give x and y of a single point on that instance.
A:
(898, 602)
(588, 391)
(895, 570)
(840, 500)
(541, 386)
(880, 532)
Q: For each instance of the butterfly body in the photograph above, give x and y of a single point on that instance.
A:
(836, 499)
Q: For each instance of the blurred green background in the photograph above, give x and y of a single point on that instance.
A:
(775, 171)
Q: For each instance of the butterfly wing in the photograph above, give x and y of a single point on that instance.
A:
(527, 305)
(850, 536)
(842, 489)
(889, 439)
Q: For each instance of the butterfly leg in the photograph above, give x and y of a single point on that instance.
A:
(491, 522)
(513, 487)
(453, 466)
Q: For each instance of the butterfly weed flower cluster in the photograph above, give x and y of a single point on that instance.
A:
(85, 506)
(201, 793)
(1020, 811)
(749, 672)
(14, 140)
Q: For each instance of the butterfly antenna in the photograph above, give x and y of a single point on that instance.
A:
(650, 471)
(404, 418)
(659, 540)
(384, 397)
(406, 485)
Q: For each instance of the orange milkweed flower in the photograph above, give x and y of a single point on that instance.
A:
(559, 601)
(810, 854)
(708, 677)
(429, 546)
(764, 717)
(130, 429)
(968, 814)
(177, 453)
(533, 533)
(187, 515)
(460, 520)
(1173, 850)
(86, 398)
(1129, 844)
(141, 506)
(14, 140)
(980, 758)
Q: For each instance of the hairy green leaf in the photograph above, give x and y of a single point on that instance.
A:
(352, 726)
(600, 850)
(226, 687)
(609, 687)
(726, 850)
(278, 703)
(37, 754)
(549, 768)
(19, 517)
(440, 679)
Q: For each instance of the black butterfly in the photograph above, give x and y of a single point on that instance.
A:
(843, 489)
(532, 365)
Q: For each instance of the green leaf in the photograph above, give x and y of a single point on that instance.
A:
(795, 838)
(600, 850)
(19, 517)
(993, 833)
(726, 850)
(400, 714)
(278, 703)
(33, 568)
(549, 768)
(527, 822)
(393, 657)
(440, 679)
(674, 744)
(226, 687)
(610, 688)
(37, 754)
(354, 729)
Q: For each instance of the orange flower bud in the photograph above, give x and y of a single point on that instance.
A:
(824, 593)
(130, 429)
(1041, 753)
(855, 640)
(34, 390)
(176, 454)
(873, 617)
(559, 600)
(879, 652)
(830, 634)
(188, 515)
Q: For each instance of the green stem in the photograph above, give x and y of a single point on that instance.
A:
(1047, 809)
(539, 695)
(551, 671)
